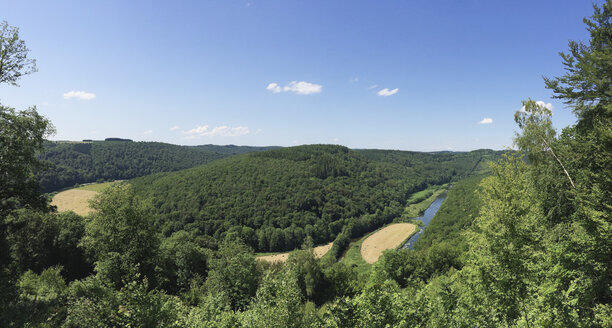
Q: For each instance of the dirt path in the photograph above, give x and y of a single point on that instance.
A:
(390, 237)
(282, 257)
(76, 200)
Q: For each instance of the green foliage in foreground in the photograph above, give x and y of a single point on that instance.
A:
(537, 254)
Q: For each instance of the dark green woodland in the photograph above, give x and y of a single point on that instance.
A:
(523, 238)
(71, 163)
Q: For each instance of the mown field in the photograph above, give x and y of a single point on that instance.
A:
(77, 199)
(319, 252)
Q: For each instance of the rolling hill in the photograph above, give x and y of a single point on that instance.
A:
(274, 199)
(70, 163)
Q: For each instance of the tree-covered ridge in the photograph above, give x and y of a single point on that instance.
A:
(274, 199)
(75, 163)
(232, 149)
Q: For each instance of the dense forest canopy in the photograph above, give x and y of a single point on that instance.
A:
(525, 243)
(274, 199)
(70, 163)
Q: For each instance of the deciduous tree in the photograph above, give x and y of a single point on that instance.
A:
(14, 61)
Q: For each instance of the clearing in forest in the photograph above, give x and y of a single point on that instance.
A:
(319, 251)
(77, 199)
(389, 237)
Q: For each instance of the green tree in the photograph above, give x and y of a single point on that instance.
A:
(183, 260)
(308, 271)
(505, 246)
(93, 304)
(21, 139)
(42, 297)
(580, 263)
(234, 274)
(537, 134)
(120, 237)
(14, 61)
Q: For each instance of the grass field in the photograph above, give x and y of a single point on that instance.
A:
(77, 199)
(420, 201)
(319, 251)
(389, 237)
(97, 187)
(353, 258)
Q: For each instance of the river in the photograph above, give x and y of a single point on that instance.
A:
(427, 216)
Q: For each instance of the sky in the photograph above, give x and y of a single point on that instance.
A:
(409, 75)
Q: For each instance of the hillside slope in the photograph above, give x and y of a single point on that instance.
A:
(273, 199)
(75, 163)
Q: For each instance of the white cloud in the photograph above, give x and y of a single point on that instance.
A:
(176, 127)
(543, 104)
(275, 88)
(219, 131)
(300, 88)
(386, 92)
(258, 131)
(373, 86)
(148, 132)
(82, 95)
(486, 120)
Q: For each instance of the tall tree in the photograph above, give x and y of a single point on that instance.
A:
(233, 274)
(21, 139)
(587, 88)
(537, 133)
(120, 236)
(14, 61)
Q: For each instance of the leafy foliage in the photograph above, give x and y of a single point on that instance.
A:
(14, 61)
(119, 236)
(21, 137)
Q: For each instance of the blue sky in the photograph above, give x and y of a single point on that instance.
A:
(411, 75)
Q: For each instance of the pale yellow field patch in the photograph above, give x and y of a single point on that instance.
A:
(319, 251)
(76, 200)
(389, 237)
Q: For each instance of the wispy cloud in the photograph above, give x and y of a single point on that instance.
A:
(354, 80)
(176, 127)
(148, 132)
(386, 92)
(82, 95)
(219, 131)
(486, 120)
(300, 88)
(373, 86)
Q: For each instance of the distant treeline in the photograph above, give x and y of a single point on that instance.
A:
(272, 200)
(74, 163)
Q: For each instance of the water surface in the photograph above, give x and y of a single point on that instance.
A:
(427, 216)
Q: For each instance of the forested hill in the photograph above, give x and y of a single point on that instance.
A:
(462, 162)
(72, 163)
(273, 199)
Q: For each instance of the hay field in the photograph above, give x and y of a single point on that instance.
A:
(76, 200)
(390, 237)
(282, 257)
